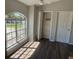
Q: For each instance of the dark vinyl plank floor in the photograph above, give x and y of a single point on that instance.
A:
(51, 50)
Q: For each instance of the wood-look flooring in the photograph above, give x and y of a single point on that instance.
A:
(46, 50)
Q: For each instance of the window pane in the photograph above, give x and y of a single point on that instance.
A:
(18, 33)
(23, 31)
(13, 25)
(13, 34)
(23, 24)
(15, 28)
(15, 31)
(14, 40)
(19, 24)
(11, 42)
(8, 26)
(23, 36)
(18, 38)
(8, 36)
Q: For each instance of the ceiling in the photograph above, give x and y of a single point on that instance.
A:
(37, 2)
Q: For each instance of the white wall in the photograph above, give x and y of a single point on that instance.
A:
(14, 5)
(63, 5)
(31, 23)
(39, 33)
(36, 13)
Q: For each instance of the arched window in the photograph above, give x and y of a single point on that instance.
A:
(15, 15)
(15, 29)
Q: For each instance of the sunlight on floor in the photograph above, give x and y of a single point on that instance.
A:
(26, 51)
(70, 57)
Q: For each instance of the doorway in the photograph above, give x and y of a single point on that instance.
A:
(56, 26)
(46, 25)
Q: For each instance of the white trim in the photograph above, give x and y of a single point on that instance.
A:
(57, 11)
(39, 24)
(50, 27)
